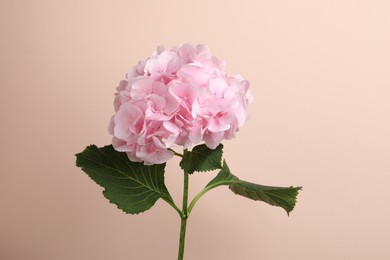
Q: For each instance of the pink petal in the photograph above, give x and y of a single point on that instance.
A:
(171, 127)
(194, 73)
(142, 88)
(196, 134)
(212, 140)
(218, 86)
(111, 126)
(219, 124)
(128, 116)
(158, 157)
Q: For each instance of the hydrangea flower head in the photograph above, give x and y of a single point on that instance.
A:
(178, 97)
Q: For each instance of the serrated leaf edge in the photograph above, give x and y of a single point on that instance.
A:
(152, 187)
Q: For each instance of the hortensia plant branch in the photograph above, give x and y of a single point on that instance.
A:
(176, 98)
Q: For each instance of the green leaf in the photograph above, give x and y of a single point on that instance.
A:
(132, 186)
(284, 197)
(202, 159)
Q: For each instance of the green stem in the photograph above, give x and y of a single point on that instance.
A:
(184, 217)
(194, 200)
(182, 238)
(200, 194)
(170, 202)
(175, 153)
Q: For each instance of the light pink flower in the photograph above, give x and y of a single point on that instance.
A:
(179, 97)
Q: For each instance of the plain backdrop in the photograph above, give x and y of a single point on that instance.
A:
(320, 77)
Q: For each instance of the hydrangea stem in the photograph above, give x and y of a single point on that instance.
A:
(184, 217)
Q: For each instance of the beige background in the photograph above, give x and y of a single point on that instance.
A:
(320, 75)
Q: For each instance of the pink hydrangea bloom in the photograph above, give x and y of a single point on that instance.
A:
(178, 97)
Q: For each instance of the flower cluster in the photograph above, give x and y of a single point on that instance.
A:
(177, 97)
